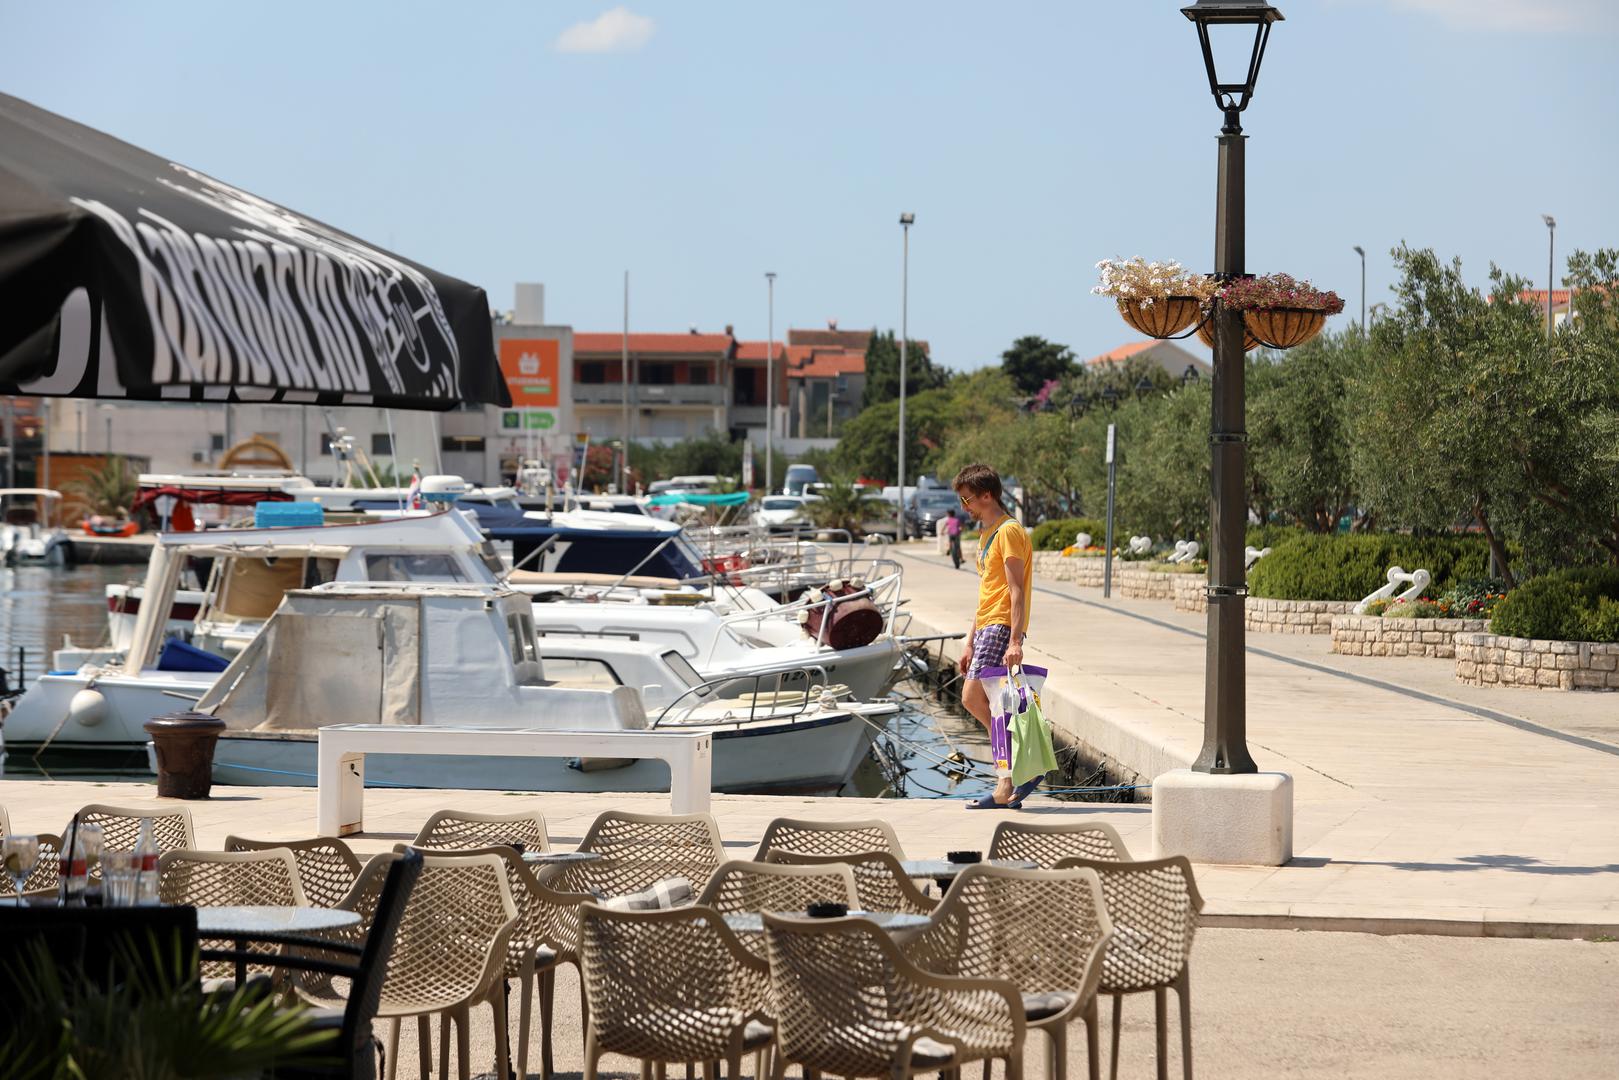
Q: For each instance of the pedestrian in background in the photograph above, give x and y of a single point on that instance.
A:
(952, 529)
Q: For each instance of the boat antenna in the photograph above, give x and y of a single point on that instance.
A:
(393, 457)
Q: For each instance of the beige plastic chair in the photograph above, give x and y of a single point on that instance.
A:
(327, 867)
(1153, 905)
(546, 937)
(1044, 930)
(1047, 843)
(121, 827)
(671, 986)
(229, 879)
(448, 955)
(849, 1003)
(880, 882)
(455, 830)
(741, 886)
(801, 837)
(640, 850)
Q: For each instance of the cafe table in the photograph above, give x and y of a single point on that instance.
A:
(944, 871)
(269, 924)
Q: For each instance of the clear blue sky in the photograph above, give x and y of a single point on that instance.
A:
(711, 142)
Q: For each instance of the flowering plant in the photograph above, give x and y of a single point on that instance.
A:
(1279, 291)
(1144, 282)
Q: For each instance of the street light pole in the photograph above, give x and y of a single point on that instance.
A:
(770, 385)
(905, 223)
(1362, 253)
(1551, 237)
(624, 387)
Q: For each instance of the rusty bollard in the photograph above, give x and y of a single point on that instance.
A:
(185, 753)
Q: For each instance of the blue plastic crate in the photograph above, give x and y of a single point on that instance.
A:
(268, 515)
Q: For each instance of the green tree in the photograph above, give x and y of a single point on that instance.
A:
(869, 447)
(1298, 435)
(109, 488)
(842, 505)
(1032, 361)
(882, 370)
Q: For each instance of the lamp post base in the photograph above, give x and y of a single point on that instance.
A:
(1244, 819)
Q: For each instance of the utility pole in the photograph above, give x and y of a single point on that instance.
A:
(770, 384)
(905, 222)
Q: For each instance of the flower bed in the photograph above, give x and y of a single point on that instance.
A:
(1495, 660)
(1267, 616)
(1373, 635)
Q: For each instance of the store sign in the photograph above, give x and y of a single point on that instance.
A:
(537, 419)
(531, 367)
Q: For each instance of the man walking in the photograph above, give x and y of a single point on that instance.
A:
(1005, 577)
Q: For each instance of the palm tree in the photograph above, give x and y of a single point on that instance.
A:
(840, 504)
(109, 489)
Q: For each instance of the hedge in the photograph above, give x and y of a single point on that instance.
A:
(1580, 604)
(1059, 533)
(1348, 566)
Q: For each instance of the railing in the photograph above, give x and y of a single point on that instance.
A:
(707, 693)
(649, 394)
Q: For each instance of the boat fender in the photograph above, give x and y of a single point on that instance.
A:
(857, 583)
(803, 618)
(835, 585)
(815, 596)
(88, 707)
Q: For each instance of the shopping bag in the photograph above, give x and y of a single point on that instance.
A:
(1032, 753)
(1010, 695)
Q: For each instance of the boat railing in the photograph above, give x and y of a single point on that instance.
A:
(784, 703)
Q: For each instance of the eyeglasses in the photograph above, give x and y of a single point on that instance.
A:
(963, 499)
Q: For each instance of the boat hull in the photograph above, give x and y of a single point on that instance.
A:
(811, 754)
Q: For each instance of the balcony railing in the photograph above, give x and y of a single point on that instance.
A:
(646, 394)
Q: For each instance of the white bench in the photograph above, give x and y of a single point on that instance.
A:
(340, 772)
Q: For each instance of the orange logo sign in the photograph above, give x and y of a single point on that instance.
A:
(530, 366)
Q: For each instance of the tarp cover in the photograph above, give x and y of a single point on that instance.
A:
(126, 275)
(699, 498)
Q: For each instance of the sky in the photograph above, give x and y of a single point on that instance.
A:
(700, 144)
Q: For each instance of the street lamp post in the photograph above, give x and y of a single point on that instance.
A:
(905, 223)
(770, 384)
(1551, 237)
(1225, 748)
(1362, 253)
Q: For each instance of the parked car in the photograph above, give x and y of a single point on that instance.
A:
(927, 507)
(797, 477)
(782, 513)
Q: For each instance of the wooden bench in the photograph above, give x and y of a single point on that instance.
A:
(340, 772)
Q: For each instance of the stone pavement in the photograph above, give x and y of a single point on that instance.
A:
(1413, 812)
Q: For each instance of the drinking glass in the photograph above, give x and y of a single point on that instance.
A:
(19, 854)
(120, 876)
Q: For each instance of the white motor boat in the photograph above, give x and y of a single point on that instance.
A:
(32, 542)
(467, 655)
(104, 703)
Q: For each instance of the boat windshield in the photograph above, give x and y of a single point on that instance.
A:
(413, 566)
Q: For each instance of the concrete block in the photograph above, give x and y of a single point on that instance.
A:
(1589, 680)
(1244, 820)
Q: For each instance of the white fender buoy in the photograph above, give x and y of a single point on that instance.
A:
(88, 707)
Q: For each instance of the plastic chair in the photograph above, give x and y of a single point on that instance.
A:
(121, 827)
(671, 986)
(802, 837)
(547, 936)
(448, 953)
(453, 830)
(741, 886)
(1044, 930)
(640, 850)
(1153, 905)
(880, 882)
(229, 879)
(327, 867)
(1048, 843)
(849, 1003)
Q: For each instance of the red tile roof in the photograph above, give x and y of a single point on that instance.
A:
(1124, 352)
(1538, 297)
(820, 362)
(839, 339)
(755, 350)
(612, 344)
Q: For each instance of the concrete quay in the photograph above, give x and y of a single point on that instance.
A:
(1420, 805)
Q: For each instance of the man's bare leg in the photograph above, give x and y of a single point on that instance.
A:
(975, 700)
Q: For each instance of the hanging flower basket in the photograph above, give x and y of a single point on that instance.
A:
(1283, 328)
(1162, 318)
(1160, 300)
(1205, 334)
(1279, 311)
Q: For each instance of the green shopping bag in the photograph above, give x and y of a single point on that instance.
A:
(1032, 753)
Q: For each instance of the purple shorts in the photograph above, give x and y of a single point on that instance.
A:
(989, 648)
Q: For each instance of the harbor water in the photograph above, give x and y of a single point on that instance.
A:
(931, 749)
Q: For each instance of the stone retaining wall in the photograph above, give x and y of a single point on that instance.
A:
(1267, 616)
(1190, 592)
(1130, 579)
(1492, 660)
(1081, 571)
(1372, 635)
(1137, 584)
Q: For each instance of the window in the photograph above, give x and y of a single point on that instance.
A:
(594, 373)
(381, 445)
(462, 444)
(325, 444)
(216, 443)
(412, 568)
(522, 633)
(657, 374)
(580, 672)
(746, 386)
(701, 375)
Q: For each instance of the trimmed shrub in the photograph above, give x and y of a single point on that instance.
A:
(1059, 533)
(1579, 604)
(1271, 536)
(1420, 608)
(1347, 566)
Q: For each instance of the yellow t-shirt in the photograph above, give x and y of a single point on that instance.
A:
(994, 598)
